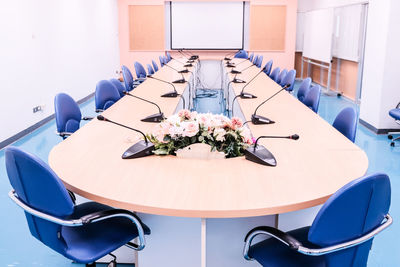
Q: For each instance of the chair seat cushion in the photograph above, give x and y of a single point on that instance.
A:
(90, 242)
(273, 253)
(395, 113)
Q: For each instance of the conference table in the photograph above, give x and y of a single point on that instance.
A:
(200, 210)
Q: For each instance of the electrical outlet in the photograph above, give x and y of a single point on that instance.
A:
(37, 109)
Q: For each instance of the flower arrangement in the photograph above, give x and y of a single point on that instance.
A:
(186, 128)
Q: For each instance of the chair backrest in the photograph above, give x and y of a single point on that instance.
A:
(162, 63)
(241, 54)
(39, 187)
(255, 60)
(117, 84)
(154, 65)
(128, 78)
(140, 71)
(259, 61)
(351, 212)
(303, 89)
(346, 123)
(289, 79)
(281, 76)
(251, 57)
(168, 56)
(312, 98)
(275, 74)
(150, 69)
(106, 95)
(67, 112)
(268, 67)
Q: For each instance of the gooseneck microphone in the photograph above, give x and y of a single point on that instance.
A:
(247, 95)
(240, 71)
(152, 118)
(183, 63)
(259, 154)
(169, 94)
(189, 61)
(230, 54)
(141, 149)
(257, 119)
(233, 65)
(192, 56)
(180, 72)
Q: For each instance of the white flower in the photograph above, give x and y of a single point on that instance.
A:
(190, 128)
(219, 134)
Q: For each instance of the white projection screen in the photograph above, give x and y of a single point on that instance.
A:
(207, 25)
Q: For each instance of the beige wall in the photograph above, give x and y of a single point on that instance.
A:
(283, 59)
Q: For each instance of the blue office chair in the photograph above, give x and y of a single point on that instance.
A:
(105, 96)
(341, 234)
(346, 123)
(268, 67)
(128, 79)
(117, 84)
(241, 54)
(68, 115)
(312, 98)
(162, 63)
(150, 70)
(168, 56)
(275, 74)
(281, 76)
(259, 61)
(303, 89)
(154, 66)
(251, 57)
(289, 78)
(140, 72)
(255, 60)
(82, 233)
(395, 114)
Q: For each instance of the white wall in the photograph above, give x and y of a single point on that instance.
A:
(51, 46)
(380, 83)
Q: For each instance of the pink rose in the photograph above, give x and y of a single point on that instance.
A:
(236, 123)
(184, 114)
(191, 129)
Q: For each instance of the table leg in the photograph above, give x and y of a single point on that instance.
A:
(203, 242)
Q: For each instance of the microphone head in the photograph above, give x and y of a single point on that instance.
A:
(295, 137)
(149, 76)
(101, 118)
(125, 92)
(287, 86)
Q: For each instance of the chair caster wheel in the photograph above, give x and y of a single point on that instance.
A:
(392, 144)
(390, 137)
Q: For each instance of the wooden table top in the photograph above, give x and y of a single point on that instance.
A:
(308, 172)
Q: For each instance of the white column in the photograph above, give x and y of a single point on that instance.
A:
(380, 91)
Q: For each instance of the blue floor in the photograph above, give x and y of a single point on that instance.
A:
(19, 248)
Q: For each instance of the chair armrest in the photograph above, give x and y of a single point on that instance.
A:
(352, 243)
(288, 240)
(107, 214)
(90, 218)
(87, 118)
(64, 134)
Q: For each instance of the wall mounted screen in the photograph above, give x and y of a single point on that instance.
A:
(207, 25)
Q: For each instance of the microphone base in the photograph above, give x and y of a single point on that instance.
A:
(194, 57)
(139, 150)
(179, 81)
(260, 155)
(170, 94)
(247, 96)
(230, 65)
(257, 120)
(227, 59)
(188, 65)
(190, 61)
(159, 117)
(183, 71)
(238, 81)
(235, 72)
